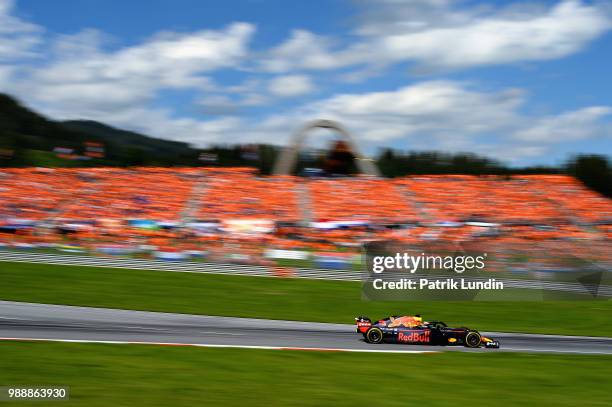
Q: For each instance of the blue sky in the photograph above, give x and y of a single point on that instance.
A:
(523, 82)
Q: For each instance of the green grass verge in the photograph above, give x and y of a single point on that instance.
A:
(122, 375)
(293, 299)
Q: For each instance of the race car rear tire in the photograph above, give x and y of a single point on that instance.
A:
(473, 339)
(374, 335)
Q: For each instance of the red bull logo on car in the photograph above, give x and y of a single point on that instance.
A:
(414, 336)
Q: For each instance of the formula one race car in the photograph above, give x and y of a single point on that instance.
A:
(413, 330)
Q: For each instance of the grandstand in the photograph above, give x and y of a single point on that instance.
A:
(238, 193)
(345, 211)
(221, 212)
(360, 199)
(162, 194)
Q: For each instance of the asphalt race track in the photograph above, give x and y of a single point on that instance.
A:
(65, 323)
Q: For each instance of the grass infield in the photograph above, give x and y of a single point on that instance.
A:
(122, 375)
(276, 298)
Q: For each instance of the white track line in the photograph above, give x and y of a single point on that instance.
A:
(205, 345)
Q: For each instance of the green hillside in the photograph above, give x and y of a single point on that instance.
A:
(28, 138)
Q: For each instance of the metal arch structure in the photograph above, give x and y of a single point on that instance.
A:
(288, 158)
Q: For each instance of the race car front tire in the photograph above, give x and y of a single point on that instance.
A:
(473, 339)
(374, 335)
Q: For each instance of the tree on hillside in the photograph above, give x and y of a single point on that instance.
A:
(594, 171)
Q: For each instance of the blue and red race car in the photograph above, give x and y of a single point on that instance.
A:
(411, 329)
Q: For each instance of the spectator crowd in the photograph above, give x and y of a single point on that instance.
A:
(218, 212)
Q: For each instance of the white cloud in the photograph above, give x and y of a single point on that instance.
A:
(17, 37)
(86, 78)
(433, 107)
(303, 50)
(235, 99)
(291, 85)
(574, 125)
(12, 24)
(162, 123)
(6, 75)
(437, 115)
(435, 35)
(83, 44)
(80, 79)
(457, 116)
(560, 31)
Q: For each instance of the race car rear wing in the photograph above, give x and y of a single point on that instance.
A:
(363, 324)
